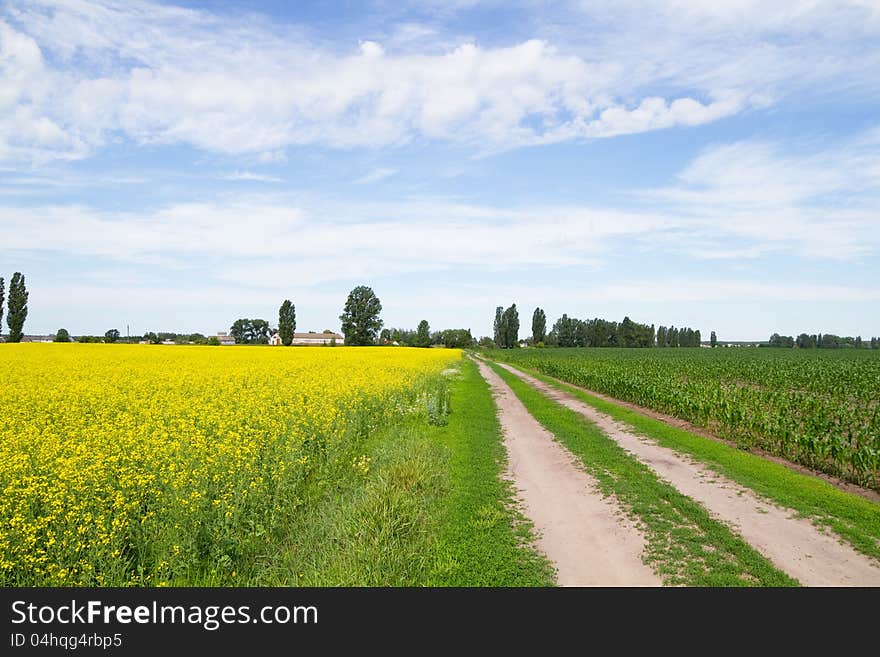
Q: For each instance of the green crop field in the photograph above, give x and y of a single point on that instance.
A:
(817, 408)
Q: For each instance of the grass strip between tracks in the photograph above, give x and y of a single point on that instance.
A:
(854, 518)
(685, 545)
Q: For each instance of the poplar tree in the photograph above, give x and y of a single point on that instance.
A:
(510, 327)
(539, 326)
(17, 310)
(286, 322)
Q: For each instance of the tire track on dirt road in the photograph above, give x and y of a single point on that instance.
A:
(794, 545)
(584, 534)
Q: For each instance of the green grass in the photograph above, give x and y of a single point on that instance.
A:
(418, 503)
(484, 541)
(684, 544)
(852, 517)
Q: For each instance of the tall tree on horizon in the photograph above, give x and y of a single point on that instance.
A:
(17, 309)
(496, 327)
(539, 326)
(423, 334)
(626, 333)
(286, 322)
(713, 340)
(360, 316)
(510, 327)
(2, 298)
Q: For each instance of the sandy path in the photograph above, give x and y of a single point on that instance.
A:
(585, 535)
(793, 545)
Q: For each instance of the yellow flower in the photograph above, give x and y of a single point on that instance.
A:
(119, 456)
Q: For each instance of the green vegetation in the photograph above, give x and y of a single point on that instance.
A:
(539, 326)
(852, 517)
(418, 503)
(360, 316)
(814, 407)
(574, 332)
(286, 322)
(423, 334)
(457, 338)
(820, 341)
(248, 331)
(17, 310)
(506, 327)
(685, 544)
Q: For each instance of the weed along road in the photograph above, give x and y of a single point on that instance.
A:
(776, 542)
(585, 535)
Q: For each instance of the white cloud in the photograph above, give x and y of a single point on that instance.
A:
(749, 198)
(734, 202)
(375, 176)
(765, 48)
(76, 73)
(655, 113)
(27, 132)
(251, 176)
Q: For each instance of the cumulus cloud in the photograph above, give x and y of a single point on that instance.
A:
(77, 73)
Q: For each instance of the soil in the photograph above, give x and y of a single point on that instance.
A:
(794, 545)
(585, 535)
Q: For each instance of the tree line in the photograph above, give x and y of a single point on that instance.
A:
(423, 336)
(573, 332)
(360, 320)
(361, 326)
(822, 341)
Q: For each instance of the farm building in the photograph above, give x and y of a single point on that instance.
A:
(225, 338)
(317, 338)
(275, 340)
(38, 338)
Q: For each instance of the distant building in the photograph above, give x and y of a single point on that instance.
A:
(317, 338)
(225, 338)
(38, 338)
(275, 340)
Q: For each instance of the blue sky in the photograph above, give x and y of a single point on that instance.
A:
(177, 166)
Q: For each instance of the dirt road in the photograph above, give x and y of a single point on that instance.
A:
(793, 545)
(585, 535)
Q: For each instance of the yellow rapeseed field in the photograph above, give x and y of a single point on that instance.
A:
(153, 465)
